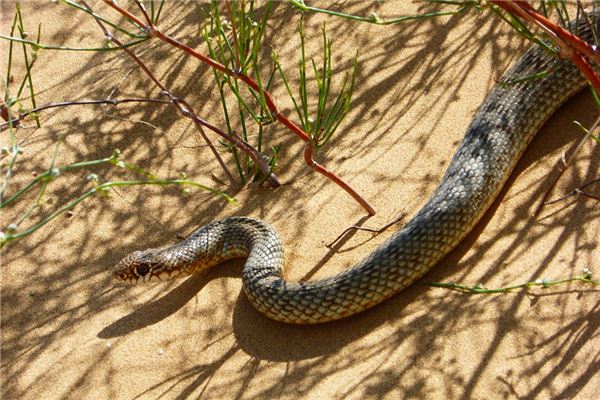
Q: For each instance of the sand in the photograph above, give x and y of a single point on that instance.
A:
(68, 332)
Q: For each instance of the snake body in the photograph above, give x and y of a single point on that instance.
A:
(497, 137)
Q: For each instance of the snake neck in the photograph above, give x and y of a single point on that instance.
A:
(236, 237)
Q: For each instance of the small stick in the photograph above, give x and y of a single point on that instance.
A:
(113, 102)
(143, 10)
(577, 191)
(360, 228)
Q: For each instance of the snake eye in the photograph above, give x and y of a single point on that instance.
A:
(142, 269)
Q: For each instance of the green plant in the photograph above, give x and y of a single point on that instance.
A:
(234, 33)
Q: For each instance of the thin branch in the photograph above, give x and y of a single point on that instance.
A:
(123, 12)
(101, 18)
(308, 158)
(585, 278)
(113, 102)
(143, 10)
(591, 196)
(362, 228)
(6, 237)
(67, 48)
(375, 19)
(576, 191)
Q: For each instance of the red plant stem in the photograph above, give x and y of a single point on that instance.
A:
(586, 69)
(576, 47)
(308, 158)
(152, 31)
(243, 77)
(573, 41)
(126, 13)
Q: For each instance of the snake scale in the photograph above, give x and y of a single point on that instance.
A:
(497, 137)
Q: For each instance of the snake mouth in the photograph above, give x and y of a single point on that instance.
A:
(120, 278)
(125, 277)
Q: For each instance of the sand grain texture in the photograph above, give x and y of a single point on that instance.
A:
(68, 333)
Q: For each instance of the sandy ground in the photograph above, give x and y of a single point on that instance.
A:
(67, 332)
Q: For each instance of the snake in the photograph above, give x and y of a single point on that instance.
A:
(501, 130)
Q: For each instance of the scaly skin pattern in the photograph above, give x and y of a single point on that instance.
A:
(502, 129)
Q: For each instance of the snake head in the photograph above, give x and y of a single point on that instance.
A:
(138, 267)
